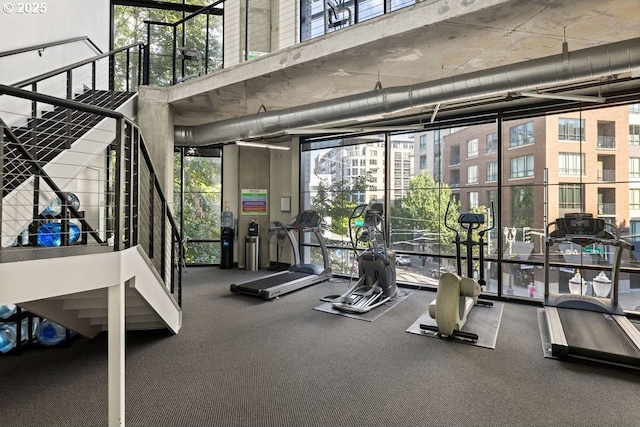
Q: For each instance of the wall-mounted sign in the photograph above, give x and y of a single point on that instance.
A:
(254, 202)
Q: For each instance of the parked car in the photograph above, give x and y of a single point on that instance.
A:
(403, 260)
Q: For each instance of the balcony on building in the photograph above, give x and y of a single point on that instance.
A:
(606, 201)
(454, 155)
(606, 168)
(606, 135)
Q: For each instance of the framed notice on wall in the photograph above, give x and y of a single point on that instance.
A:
(254, 202)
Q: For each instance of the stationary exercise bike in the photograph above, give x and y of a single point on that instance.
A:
(457, 295)
(376, 284)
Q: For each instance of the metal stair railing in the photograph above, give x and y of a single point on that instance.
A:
(42, 46)
(134, 209)
(39, 174)
(52, 131)
(68, 70)
(89, 79)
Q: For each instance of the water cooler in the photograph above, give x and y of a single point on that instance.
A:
(252, 245)
(227, 235)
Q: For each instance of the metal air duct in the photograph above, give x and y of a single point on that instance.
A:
(595, 62)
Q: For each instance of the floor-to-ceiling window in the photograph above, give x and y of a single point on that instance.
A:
(342, 174)
(521, 174)
(198, 202)
(182, 43)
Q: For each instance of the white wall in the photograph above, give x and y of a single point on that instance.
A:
(274, 25)
(59, 20)
(281, 185)
(62, 19)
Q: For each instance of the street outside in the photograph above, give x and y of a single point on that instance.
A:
(415, 273)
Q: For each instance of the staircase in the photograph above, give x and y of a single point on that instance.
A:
(69, 284)
(125, 272)
(73, 291)
(52, 133)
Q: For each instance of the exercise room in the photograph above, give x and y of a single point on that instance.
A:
(320, 213)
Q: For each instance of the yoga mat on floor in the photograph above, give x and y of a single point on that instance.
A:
(371, 315)
(483, 321)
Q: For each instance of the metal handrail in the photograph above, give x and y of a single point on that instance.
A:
(66, 68)
(50, 44)
(60, 102)
(132, 200)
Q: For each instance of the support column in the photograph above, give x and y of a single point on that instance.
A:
(116, 349)
(155, 120)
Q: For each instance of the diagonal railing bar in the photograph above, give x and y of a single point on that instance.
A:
(48, 180)
(60, 102)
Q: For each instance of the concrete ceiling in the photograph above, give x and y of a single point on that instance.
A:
(339, 64)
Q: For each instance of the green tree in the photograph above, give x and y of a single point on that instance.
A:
(476, 233)
(130, 26)
(522, 206)
(334, 200)
(425, 204)
(202, 206)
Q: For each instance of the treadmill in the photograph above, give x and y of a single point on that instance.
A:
(297, 276)
(584, 326)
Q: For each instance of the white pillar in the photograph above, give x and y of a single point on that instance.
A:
(116, 348)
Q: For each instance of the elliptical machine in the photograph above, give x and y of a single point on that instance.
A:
(376, 284)
(457, 295)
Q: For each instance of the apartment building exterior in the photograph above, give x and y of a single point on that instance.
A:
(367, 160)
(551, 165)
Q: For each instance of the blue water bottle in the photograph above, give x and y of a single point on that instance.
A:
(7, 336)
(9, 333)
(49, 234)
(7, 310)
(50, 333)
(55, 207)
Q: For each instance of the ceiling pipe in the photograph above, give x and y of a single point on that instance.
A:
(594, 62)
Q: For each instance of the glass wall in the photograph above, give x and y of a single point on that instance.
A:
(340, 175)
(520, 174)
(198, 202)
(197, 42)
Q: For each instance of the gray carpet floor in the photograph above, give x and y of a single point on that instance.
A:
(241, 361)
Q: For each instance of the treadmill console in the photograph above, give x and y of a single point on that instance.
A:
(307, 219)
(581, 224)
(581, 228)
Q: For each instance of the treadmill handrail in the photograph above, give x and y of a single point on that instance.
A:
(574, 238)
(614, 240)
(316, 230)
